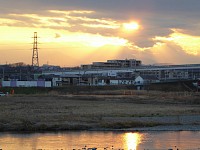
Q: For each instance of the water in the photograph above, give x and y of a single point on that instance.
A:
(184, 140)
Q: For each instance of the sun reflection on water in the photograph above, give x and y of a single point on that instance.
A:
(132, 140)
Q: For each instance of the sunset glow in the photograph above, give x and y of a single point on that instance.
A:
(136, 31)
(132, 140)
(190, 44)
(131, 26)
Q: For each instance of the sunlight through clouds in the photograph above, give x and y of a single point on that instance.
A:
(101, 26)
(149, 31)
(71, 20)
(6, 22)
(71, 12)
(131, 26)
(88, 39)
(190, 44)
(43, 21)
(89, 22)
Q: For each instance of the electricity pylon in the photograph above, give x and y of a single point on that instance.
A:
(35, 59)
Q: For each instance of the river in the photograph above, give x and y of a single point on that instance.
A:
(182, 140)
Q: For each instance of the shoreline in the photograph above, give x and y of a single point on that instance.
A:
(156, 128)
(164, 128)
(165, 123)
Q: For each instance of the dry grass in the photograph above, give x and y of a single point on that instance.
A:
(63, 112)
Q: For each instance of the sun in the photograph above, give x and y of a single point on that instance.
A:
(131, 26)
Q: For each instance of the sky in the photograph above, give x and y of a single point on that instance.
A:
(75, 32)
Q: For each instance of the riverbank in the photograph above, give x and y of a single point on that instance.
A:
(119, 110)
(164, 128)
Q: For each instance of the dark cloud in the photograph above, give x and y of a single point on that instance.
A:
(116, 6)
(157, 17)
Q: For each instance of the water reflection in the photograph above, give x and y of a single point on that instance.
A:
(132, 140)
(119, 140)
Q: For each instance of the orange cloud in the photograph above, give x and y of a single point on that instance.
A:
(190, 44)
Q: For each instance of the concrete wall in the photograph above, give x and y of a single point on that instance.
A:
(26, 83)
(6, 84)
(47, 83)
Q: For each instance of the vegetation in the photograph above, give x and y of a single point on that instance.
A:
(110, 109)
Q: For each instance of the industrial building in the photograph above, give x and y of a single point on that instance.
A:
(126, 63)
(112, 72)
(114, 76)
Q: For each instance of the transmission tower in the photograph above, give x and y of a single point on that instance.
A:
(35, 61)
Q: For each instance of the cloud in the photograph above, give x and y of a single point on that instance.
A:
(157, 17)
(190, 44)
(100, 23)
(75, 20)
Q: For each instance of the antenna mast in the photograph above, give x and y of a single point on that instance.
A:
(35, 61)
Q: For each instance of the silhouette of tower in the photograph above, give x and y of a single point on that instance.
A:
(35, 61)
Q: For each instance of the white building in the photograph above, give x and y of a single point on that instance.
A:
(142, 80)
(14, 83)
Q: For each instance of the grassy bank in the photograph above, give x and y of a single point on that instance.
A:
(115, 109)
